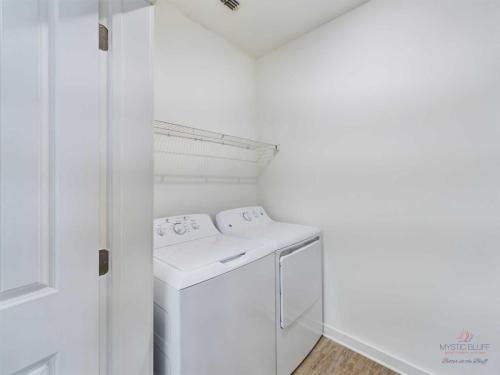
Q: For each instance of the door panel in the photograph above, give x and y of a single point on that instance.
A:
(24, 148)
(49, 187)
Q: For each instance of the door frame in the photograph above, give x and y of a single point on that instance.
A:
(127, 291)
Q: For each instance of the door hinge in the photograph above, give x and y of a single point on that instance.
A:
(103, 262)
(103, 38)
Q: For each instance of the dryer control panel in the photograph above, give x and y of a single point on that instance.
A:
(176, 229)
(234, 221)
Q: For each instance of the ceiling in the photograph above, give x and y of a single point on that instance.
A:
(259, 26)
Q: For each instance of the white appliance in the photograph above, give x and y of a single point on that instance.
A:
(299, 279)
(214, 310)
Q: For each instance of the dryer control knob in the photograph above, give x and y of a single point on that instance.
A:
(179, 228)
(246, 215)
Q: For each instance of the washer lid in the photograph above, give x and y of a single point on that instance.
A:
(193, 255)
(253, 222)
(190, 263)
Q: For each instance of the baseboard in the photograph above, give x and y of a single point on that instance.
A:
(377, 355)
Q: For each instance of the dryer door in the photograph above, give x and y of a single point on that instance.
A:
(300, 281)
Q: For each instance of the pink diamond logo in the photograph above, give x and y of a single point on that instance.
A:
(465, 336)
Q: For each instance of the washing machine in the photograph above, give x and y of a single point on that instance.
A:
(299, 279)
(214, 301)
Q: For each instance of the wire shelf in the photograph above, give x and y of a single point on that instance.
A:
(189, 155)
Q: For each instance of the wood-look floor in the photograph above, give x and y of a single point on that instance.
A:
(329, 358)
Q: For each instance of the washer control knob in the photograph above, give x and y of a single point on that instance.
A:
(246, 215)
(160, 231)
(195, 226)
(179, 228)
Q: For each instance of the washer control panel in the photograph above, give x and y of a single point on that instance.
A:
(240, 219)
(253, 213)
(176, 229)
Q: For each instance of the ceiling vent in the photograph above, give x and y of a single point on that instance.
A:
(231, 4)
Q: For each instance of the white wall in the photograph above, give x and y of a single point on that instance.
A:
(389, 125)
(201, 81)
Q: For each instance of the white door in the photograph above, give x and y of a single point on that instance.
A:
(49, 187)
